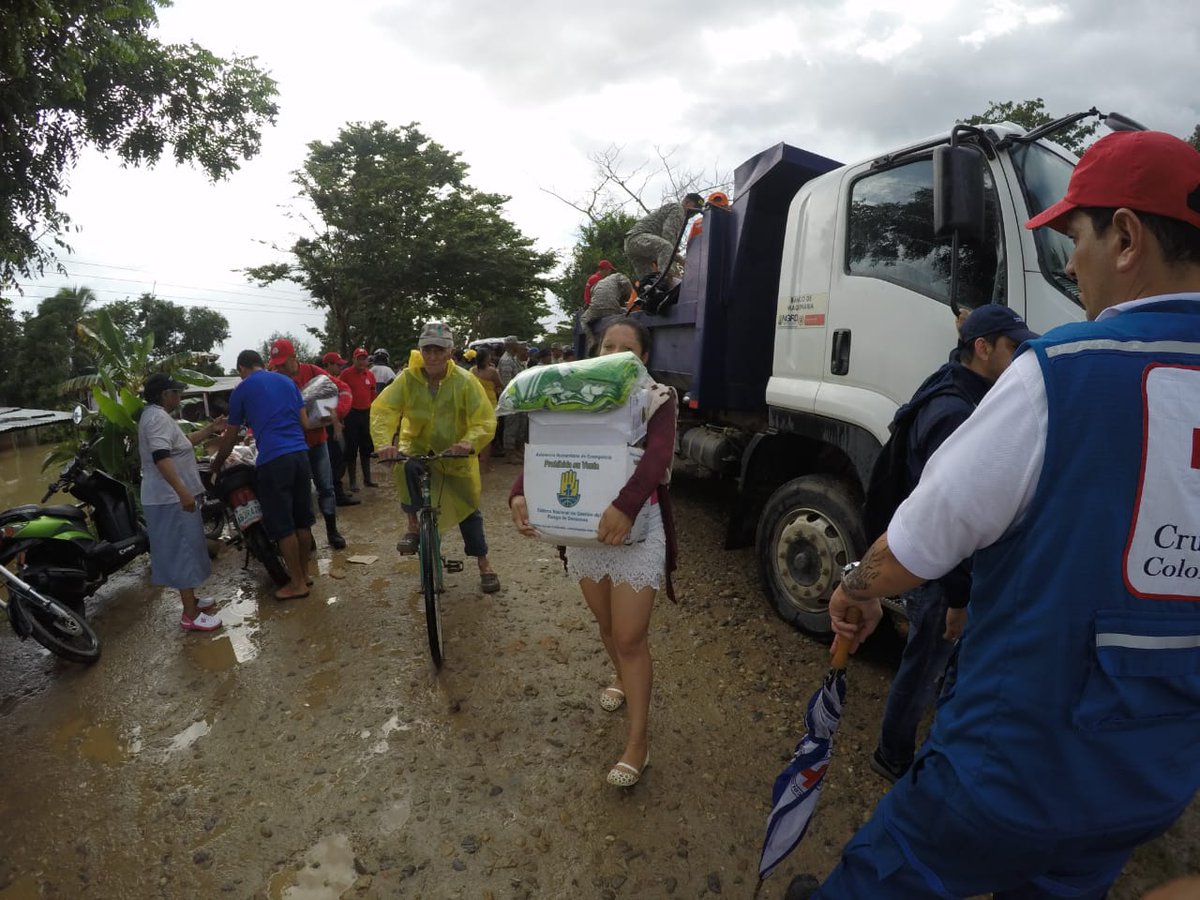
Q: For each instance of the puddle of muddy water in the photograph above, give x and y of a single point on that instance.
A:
(98, 741)
(319, 687)
(234, 644)
(395, 817)
(333, 857)
(24, 888)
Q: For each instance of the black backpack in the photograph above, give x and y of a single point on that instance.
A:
(888, 485)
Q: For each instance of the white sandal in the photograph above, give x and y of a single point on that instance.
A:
(612, 699)
(623, 775)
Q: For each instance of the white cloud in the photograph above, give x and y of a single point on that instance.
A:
(1006, 16)
(526, 91)
(901, 39)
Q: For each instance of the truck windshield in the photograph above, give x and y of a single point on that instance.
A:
(1044, 176)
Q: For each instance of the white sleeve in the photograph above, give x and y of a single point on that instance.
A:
(980, 482)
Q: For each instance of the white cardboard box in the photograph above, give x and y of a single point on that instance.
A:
(567, 489)
(623, 425)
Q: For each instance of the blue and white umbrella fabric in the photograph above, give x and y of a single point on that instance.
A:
(798, 787)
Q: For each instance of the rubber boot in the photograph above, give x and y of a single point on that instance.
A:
(336, 541)
(366, 475)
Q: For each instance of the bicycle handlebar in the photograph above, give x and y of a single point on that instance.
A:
(427, 457)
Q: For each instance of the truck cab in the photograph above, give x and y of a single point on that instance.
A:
(813, 307)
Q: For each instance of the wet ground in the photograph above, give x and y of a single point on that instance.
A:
(310, 752)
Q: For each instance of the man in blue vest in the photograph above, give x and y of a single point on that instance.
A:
(936, 611)
(1070, 735)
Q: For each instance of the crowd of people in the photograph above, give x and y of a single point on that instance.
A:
(1040, 471)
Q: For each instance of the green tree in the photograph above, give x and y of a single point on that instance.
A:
(400, 237)
(304, 350)
(176, 329)
(80, 73)
(10, 337)
(50, 350)
(601, 238)
(1031, 113)
(1194, 140)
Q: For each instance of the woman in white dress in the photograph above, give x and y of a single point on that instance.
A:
(620, 582)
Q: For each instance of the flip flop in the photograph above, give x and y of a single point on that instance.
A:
(202, 622)
(623, 775)
(279, 596)
(612, 699)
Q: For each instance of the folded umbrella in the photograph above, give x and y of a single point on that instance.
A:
(798, 787)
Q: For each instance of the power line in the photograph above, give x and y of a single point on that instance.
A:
(185, 287)
(152, 273)
(231, 305)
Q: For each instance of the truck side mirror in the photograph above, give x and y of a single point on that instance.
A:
(958, 191)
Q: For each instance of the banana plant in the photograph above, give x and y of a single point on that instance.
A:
(123, 363)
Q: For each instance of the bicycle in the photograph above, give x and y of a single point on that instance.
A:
(429, 551)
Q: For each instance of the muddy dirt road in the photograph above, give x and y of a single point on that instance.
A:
(310, 752)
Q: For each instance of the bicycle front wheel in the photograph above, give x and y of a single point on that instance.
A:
(431, 565)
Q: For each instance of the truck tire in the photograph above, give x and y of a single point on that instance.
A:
(810, 528)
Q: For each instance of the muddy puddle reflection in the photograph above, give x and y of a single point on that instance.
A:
(188, 736)
(238, 642)
(102, 742)
(327, 872)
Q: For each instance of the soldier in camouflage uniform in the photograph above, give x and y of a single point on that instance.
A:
(650, 243)
(608, 299)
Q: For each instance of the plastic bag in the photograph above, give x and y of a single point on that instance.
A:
(586, 385)
(320, 396)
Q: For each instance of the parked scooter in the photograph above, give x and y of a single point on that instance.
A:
(56, 627)
(65, 553)
(231, 507)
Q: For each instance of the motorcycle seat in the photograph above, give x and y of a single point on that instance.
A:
(32, 511)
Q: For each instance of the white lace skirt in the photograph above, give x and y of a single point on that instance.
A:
(639, 565)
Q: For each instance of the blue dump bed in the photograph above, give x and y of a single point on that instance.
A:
(715, 346)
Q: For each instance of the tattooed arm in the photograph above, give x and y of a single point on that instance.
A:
(879, 574)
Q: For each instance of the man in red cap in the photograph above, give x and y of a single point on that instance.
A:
(334, 364)
(1066, 735)
(283, 360)
(603, 269)
(358, 421)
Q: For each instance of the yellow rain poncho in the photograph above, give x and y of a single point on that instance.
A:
(427, 423)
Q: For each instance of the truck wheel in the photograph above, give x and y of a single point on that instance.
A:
(809, 529)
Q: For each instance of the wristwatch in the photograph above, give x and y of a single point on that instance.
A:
(850, 567)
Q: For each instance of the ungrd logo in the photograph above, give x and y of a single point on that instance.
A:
(568, 488)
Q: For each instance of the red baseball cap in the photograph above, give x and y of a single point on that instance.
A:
(361, 351)
(605, 264)
(281, 351)
(333, 358)
(1146, 171)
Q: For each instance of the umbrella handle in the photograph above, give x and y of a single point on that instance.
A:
(841, 647)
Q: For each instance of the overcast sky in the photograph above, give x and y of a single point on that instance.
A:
(526, 90)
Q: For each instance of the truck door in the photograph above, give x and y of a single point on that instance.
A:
(889, 321)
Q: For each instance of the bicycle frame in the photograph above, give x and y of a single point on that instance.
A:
(431, 564)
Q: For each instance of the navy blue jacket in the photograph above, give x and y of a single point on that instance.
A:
(957, 392)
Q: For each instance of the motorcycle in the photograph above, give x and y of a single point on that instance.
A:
(62, 558)
(231, 506)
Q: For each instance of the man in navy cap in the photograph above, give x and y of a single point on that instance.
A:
(936, 610)
(1069, 736)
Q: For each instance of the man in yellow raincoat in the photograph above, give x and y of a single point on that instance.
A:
(434, 406)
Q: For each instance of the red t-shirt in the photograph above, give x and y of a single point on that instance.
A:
(587, 288)
(362, 386)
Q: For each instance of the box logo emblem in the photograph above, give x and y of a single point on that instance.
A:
(568, 488)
